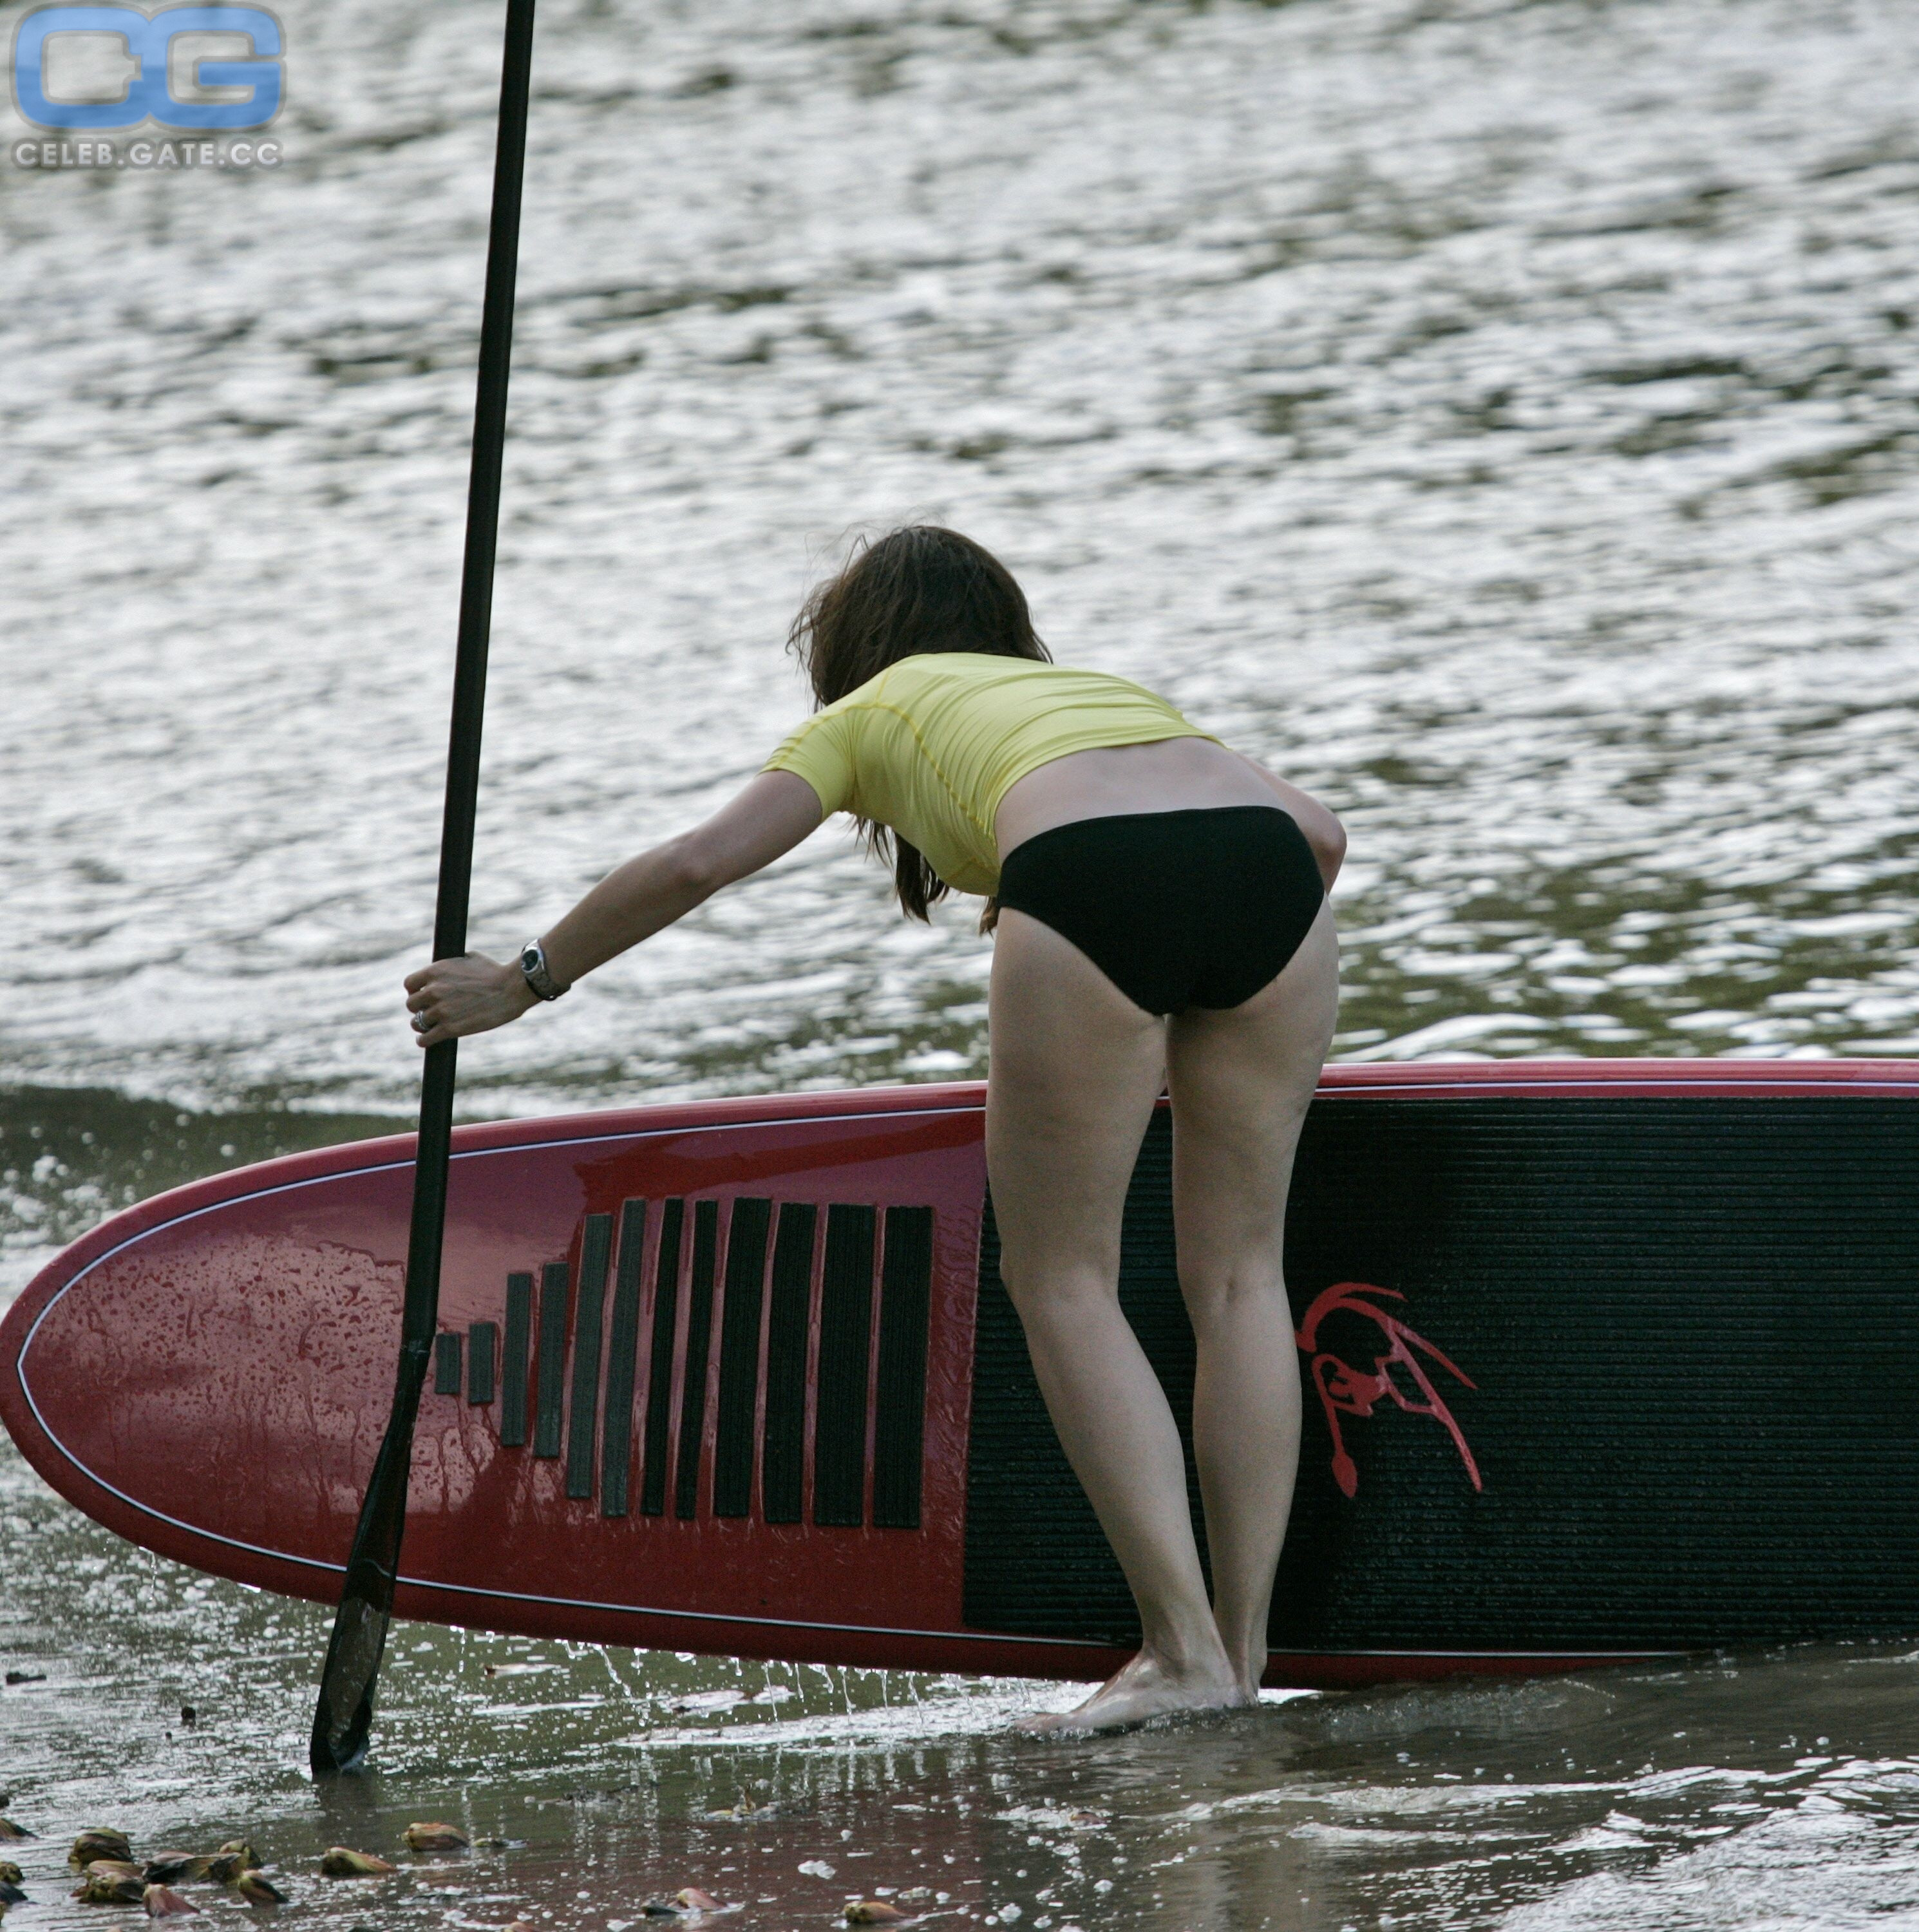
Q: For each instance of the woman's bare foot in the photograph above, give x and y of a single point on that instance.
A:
(1146, 1687)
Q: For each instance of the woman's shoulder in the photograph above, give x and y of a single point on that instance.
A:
(926, 668)
(927, 675)
(1067, 680)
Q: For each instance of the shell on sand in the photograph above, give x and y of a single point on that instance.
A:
(98, 1842)
(433, 1837)
(110, 1882)
(171, 1867)
(343, 1861)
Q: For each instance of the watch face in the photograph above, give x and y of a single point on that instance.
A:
(530, 960)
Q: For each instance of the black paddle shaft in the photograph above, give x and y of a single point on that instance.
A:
(344, 1714)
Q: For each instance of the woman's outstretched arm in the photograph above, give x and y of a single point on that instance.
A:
(473, 993)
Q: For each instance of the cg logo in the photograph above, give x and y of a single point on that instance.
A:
(148, 43)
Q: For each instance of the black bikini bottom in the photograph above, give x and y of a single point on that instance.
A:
(1178, 909)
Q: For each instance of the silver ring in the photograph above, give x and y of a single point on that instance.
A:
(421, 1023)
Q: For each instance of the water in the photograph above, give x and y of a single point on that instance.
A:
(1500, 419)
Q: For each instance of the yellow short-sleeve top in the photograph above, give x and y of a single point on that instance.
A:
(932, 745)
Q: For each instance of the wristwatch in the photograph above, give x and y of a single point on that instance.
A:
(539, 978)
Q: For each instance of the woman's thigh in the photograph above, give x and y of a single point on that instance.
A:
(1075, 1069)
(1241, 1079)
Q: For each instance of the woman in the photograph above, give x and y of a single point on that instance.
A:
(1159, 908)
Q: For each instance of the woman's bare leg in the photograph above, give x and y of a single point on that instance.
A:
(1240, 1080)
(1076, 1067)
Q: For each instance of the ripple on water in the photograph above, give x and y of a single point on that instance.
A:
(1512, 444)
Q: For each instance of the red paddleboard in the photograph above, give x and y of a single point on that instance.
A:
(1601, 1362)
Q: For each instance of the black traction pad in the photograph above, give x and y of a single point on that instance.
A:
(1589, 1375)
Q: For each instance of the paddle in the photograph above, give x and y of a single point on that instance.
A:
(344, 1714)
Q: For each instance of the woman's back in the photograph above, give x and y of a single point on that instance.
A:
(932, 745)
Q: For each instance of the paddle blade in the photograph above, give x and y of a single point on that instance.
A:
(343, 1712)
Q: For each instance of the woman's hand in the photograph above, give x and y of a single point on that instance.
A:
(470, 995)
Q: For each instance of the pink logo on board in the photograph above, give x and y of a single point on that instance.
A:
(1346, 1391)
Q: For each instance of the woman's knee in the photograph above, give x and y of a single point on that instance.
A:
(1037, 1287)
(1224, 1297)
